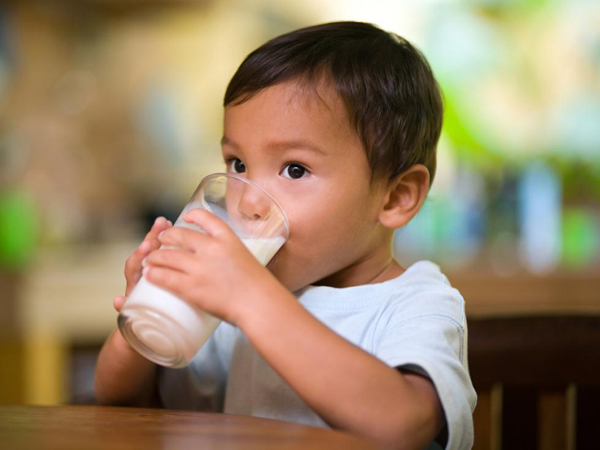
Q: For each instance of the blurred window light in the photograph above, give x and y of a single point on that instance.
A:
(540, 218)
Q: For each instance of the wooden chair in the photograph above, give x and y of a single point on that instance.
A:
(538, 381)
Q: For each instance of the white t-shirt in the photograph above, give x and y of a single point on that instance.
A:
(414, 322)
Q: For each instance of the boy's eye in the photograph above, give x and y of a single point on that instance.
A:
(237, 165)
(294, 171)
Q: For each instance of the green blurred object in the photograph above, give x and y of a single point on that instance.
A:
(18, 229)
(510, 6)
(460, 130)
(580, 238)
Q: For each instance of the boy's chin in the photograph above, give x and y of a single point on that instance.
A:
(290, 279)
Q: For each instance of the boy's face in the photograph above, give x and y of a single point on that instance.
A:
(301, 148)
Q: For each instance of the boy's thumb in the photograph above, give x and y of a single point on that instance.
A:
(118, 302)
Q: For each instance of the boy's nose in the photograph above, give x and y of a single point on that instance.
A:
(254, 205)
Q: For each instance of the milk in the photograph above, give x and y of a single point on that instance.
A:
(264, 249)
(170, 328)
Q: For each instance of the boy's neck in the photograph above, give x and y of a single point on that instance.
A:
(369, 271)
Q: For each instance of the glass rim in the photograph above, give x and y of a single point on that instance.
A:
(251, 183)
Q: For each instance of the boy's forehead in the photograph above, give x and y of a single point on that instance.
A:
(291, 112)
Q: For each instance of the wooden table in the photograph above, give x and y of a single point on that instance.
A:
(99, 427)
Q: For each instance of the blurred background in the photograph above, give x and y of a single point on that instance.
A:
(110, 114)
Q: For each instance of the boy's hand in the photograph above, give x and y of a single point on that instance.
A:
(133, 266)
(213, 271)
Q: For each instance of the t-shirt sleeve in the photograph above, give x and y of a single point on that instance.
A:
(435, 345)
(200, 386)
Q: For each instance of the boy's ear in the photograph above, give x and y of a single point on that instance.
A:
(404, 197)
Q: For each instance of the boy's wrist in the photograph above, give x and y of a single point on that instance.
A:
(263, 304)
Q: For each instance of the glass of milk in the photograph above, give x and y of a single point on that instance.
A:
(166, 329)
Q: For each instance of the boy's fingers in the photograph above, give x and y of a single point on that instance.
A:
(160, 224)
(133, 263)
(170, 280)
(118, 303)
(150, 243)
(174, 259)
(131, 284)
(184, 238)
(209, 222)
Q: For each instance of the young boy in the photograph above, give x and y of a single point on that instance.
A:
(339, 123)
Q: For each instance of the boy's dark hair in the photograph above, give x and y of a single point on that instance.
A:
(387, 86)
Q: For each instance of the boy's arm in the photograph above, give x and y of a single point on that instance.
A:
(346, 386)
(123, 376)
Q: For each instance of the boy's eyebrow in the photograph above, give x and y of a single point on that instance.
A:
(281, 145)
(226, 141)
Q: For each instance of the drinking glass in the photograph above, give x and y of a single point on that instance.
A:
(168, 330)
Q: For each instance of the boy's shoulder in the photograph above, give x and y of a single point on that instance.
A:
(423, 290)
